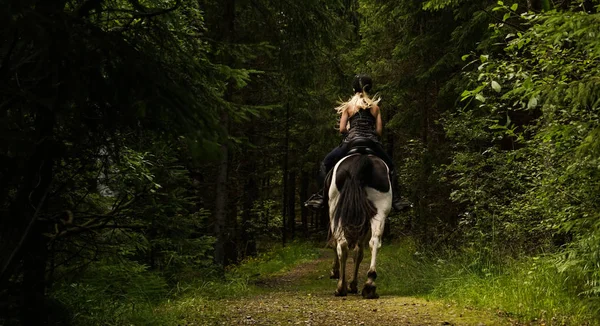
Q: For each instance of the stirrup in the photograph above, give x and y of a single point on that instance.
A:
(400, 204)
(315, 201)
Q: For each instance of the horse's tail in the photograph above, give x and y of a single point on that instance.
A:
(354, 211)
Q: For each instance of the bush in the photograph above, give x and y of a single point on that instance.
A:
(111, 293)
(527, 288)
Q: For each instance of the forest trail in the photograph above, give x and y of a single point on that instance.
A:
(304, 296)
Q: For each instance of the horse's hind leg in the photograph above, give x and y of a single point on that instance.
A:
(358, 257)
(335, 268)
(342, 252)
(377, 225)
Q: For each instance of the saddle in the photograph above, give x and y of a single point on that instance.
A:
(361, 146)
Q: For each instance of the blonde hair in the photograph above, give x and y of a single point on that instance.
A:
(360, 100)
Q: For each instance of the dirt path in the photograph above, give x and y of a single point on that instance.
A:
(304, 296)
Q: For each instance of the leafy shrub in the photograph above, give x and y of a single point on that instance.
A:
(111, 293)
(526, 158)
(525, 288)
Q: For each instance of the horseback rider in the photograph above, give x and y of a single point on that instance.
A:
(363, 116)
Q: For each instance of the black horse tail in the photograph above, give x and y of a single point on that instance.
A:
(354, 211)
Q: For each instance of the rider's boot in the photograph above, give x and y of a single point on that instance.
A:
(398, 203)
(317, 201)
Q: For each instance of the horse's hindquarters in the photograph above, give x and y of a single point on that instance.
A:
(360, 199)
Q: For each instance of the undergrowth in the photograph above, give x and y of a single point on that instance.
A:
(127, 293)
(528, 289)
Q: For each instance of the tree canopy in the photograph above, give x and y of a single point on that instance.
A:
(153, 138)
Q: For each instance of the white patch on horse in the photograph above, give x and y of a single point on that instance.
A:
(383, 203)
(334, 197)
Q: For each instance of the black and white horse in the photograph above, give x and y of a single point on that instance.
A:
(360, 198)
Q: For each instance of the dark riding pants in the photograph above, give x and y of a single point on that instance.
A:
(339, 152)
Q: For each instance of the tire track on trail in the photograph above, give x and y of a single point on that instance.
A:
(304, 296)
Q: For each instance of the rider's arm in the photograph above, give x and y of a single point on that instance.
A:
(344, 122)
(378, 122)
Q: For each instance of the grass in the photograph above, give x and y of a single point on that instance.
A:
(239, 279)
(276, 261)
(529, 289)
(197, 299)
(110, 295)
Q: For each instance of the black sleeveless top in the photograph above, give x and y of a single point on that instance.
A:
(362, 125)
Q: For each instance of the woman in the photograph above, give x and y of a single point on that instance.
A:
(360, 118)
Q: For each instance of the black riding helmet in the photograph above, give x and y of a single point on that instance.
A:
(362, 83)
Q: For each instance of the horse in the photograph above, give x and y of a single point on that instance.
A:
(359, 198)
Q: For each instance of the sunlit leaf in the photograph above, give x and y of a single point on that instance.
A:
(496, 86)
(533, 102)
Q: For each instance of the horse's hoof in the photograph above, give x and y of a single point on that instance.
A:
(353, 289)
(334, 275)
(369, 292)
(371, 296)
(340, 294)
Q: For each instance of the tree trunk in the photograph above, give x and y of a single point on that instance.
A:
(267, 216)
(18, 226)
(231, 232)
(220, 210)
(292, 204)
(266, 209)
(304, 182)
(323, 215)
(588, 6)
(284, 205)
(227, 32)
(545, 4)
(34, 277)
(535, 5)
(390, 144)
(247, 233)
(27, 209)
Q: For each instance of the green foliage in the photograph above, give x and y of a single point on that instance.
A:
(523, 289)
(526, 289)
(125, 292)
(129, 105)
(118, 110)
(268, 223)
(142, 209)
(440, 4)
(112, 293)
(276, 260)
(514, 170)
(526, 154)
(238, 281)
(414, 55)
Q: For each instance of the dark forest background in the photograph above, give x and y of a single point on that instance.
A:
(149, 140)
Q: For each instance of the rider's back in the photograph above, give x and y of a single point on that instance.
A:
(362, 125)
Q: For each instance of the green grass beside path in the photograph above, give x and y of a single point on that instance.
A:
(290, 285)
(530, 289)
